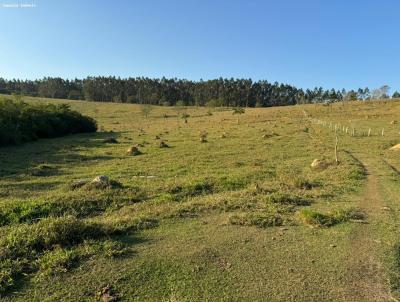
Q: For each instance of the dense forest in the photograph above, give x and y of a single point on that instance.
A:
(170, 92)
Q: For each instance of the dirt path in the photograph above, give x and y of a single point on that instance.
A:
(368, 281)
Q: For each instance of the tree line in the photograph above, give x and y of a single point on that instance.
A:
(170, 92)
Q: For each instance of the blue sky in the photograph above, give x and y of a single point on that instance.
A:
(307, 43)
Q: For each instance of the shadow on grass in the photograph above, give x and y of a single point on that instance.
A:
(20, 160)
(5, 188)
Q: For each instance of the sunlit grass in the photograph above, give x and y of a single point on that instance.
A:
(223, 197)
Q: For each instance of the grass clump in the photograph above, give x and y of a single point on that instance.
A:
(394, 279)
(113, 249)
(29, 240)
(96, 202)
(57, 261)
(9, 272)
(261, 220)
(228, 183)
(121, 225)
(191, 209)
(291, 176)
(22, 246)
(78, 205)
(43, 170)
(286, 199)
(29, 211)
(319, 219)
(302, 183)
(180, 192)
(49, 245)
(61, 260)
(344, 215)
(357, 174)
(314, 218)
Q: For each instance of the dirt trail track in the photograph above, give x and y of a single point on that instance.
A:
(368, 277)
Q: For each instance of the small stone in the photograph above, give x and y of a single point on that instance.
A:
(395, 147)
(319, 164)
(101, 178)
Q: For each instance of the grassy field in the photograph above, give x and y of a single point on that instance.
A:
(230, 210)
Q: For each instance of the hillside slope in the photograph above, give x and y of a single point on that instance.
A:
(231, 210)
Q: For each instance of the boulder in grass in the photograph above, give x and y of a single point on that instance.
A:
(101, 179)
(319, 164)
(103, 182)
(393, 122)
(134, 151)
(395, 147)
(99, 182)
